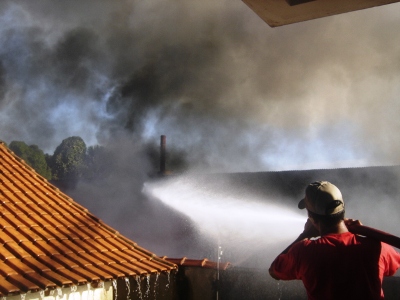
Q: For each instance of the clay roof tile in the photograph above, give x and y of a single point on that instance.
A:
(47, 240)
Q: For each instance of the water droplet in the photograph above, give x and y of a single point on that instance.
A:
(128, 288)
(139, 289)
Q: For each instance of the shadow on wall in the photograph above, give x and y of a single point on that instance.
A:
(196, 283)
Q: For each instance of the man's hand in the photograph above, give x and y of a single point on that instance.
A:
(310, 230)
(351, 224)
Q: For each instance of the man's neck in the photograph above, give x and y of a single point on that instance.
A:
(336, 229)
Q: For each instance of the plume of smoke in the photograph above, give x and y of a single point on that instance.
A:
(209, 74)
(212, 75)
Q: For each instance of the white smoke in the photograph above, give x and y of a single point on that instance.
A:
(212, 75)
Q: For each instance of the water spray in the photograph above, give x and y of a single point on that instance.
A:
(219, 255)
(244, 224)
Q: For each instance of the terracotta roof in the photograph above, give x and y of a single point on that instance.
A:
(47, 240)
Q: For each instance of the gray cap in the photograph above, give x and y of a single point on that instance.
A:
(322, 198)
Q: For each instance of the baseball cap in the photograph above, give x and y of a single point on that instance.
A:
(322, 198)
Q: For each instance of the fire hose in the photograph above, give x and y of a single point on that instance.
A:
(376, 234)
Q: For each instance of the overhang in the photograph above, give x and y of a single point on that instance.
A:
(282, 12)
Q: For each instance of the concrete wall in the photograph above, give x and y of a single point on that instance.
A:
(195, 283)
(101, 291)
(160, 286)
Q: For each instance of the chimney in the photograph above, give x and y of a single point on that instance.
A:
(163, 151)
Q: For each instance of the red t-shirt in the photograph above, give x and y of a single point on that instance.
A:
(339, 266)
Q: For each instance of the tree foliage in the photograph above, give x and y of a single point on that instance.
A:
(68, 160)
(72, 160)
(33, 156)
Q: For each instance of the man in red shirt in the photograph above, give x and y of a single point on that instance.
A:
(332, 262)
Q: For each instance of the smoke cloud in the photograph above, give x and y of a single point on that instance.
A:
(232, 92)
(212, 76)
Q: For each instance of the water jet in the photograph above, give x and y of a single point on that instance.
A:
(242, 223)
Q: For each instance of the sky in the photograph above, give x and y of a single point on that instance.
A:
(234, 93)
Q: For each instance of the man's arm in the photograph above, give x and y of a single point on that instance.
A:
(308, 232)
(356, 227)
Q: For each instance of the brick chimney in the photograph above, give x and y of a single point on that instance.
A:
(163, 153)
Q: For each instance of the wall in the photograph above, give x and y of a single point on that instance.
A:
(193, 283)
(196, 283)
(101, 291)
(157, 286)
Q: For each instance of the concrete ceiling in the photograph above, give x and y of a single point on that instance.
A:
(282, 12)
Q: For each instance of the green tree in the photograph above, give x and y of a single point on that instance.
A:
(68, 160)
(33, 156)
